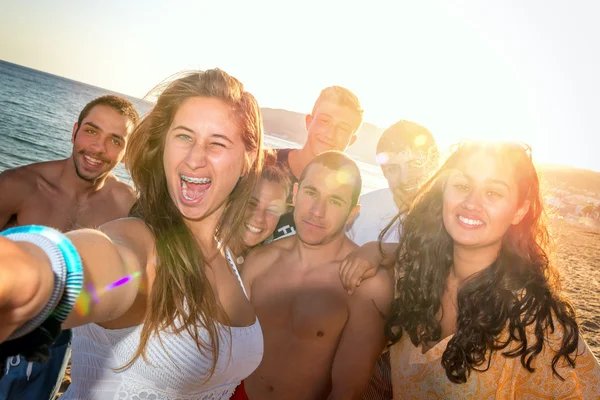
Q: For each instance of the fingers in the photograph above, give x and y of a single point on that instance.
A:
(356, 277)
(353, 272)
(343, 272)
(346, 270)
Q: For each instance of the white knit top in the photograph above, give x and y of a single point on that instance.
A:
(175, 368)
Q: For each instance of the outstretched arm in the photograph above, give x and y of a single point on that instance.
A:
(363, 338)
(120, 249)
(364, 262)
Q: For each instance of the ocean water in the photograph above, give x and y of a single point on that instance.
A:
(38, 110)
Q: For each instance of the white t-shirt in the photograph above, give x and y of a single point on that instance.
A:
(377, 209)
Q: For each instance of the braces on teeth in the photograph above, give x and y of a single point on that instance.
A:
(195, 180)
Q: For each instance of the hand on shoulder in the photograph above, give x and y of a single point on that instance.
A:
(379, 289)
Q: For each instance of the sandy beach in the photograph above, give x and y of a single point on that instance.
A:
(578, 251)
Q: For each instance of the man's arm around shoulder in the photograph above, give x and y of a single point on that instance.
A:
(363, 338)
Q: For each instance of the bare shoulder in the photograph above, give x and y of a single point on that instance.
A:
(123, 193)
(28, 174)
(349, 246)
(262, 258)
(31, 174)
(127, 228)
(132, 233)
(21, 181)
(378, 289)
(272, 250)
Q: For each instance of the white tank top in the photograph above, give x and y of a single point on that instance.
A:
(175, 369)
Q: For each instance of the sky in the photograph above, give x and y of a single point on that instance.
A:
(512, 70)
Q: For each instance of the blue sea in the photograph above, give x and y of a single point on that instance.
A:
(38, 110)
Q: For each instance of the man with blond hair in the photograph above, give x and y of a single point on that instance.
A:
(332, 125)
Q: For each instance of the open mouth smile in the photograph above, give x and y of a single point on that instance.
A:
(194, 188)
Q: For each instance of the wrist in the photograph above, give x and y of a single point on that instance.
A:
(39, 278)
(40, 274)
(46, 246)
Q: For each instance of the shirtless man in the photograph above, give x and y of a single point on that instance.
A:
(76, 192)
(333, 123)
(319, 342)
(79, 191)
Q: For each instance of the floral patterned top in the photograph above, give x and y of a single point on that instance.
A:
(421, 376)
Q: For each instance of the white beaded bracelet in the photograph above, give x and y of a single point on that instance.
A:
(59, 268)
(67, 284)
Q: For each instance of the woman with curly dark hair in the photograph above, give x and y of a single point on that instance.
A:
(478, 311)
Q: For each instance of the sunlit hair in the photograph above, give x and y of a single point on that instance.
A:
(272, 172)
(342, 97)
(406, 135)
(519, 292)
(347, 171)
(181, 290)
(117, 103)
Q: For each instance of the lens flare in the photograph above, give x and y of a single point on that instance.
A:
(90, 296)
(382, 158)
(420, 140)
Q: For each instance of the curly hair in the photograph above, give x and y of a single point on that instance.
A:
(518, 294)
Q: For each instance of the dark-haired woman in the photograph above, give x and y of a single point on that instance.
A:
(478, 312)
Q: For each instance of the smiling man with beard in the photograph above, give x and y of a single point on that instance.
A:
(319, 342)
(77, 192)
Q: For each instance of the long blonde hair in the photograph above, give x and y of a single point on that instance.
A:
(181, 290)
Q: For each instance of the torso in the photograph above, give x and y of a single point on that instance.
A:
(46, 203)
(417, 374)
(446, 316)
(236, 309)
(303, 313)
(175, 367)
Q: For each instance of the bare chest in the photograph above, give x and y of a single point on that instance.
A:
(54, 209)
(306, 306)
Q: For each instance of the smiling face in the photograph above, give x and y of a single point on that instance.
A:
(323, 204)
(204, 156)
(331, 127)
(480, 201)
(404, 172)
(99, 142)
(264, 209)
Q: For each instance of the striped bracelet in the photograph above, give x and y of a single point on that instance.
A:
(63, 255)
